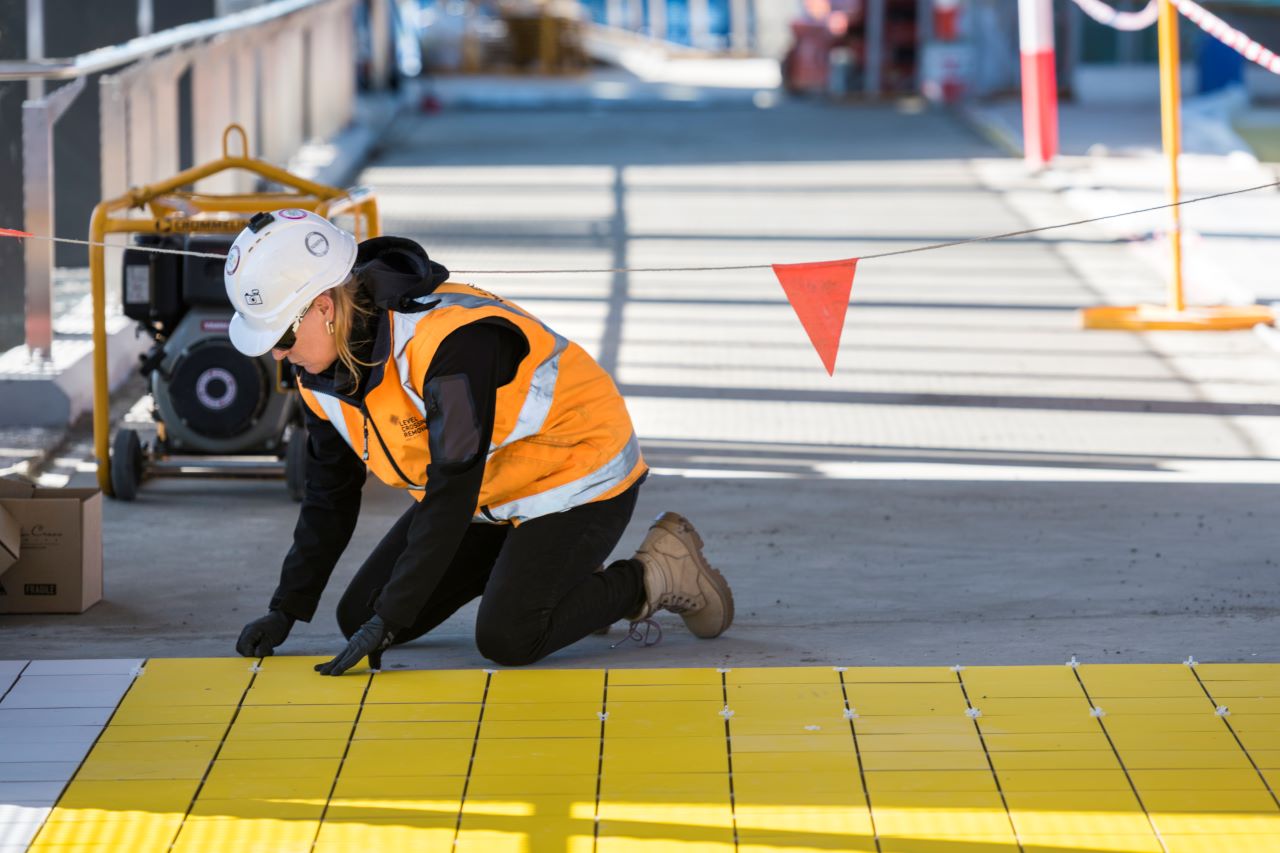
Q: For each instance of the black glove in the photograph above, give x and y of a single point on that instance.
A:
(261, 636)
(373, 636)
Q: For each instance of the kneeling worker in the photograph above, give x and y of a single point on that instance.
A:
(514, 443)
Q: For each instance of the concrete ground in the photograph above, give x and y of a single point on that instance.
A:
(980, 482)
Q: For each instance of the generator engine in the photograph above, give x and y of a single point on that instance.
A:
(209, 398)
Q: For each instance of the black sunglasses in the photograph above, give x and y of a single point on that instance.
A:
(290, 336)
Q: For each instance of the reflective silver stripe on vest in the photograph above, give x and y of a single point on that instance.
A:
(577, 493)
(333, 411)
(537, 403)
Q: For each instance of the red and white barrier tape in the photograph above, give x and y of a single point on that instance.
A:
(1228, 35)
(1109, 16)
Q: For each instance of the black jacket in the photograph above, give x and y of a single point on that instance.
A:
(462, 380)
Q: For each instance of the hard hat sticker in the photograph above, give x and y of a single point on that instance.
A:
(233, 260)
(253, 297)
(293, 213)
(317, 244)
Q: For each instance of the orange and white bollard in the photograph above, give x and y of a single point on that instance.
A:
(1039, 82)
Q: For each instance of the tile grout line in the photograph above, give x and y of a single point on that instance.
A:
(1123, 767)
(345, 752)
(253, 676)
(18, 678)
(857, 753)
(728, 745)
(986, 753)
(604, 717)
(1227, 722)
(475, 744)
(92, 746)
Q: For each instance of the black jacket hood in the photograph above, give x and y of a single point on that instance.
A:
(395, 271)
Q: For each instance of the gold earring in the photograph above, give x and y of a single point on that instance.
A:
(328, 325)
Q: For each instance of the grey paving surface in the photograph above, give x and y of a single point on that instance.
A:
(981, 481)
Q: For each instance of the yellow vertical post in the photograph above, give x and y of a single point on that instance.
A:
(101, 384)
(1171, 127)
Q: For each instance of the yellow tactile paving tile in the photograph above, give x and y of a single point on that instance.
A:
(911, 725)
(300, 714)
(1141, 843)
(1214, 844)
(1196, 780)
(963, 738)
(223, 787)
(711, 786)
(516, 729)
(141, 830)
(898, 675)
(776, 675)
(425, 833)
(889, 782)
(1205, 721)
(1256, 689)
(554, 686)
(666, 693)
(435, 686)
(529, 837)
(406, 757)
(657, 676)
(222, 755)
(658, 834)
(1181, 742)
(371, 730)
(1063, 781)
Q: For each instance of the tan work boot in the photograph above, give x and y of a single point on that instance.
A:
(678, 578)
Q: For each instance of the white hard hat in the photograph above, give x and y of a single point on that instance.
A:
(276, 266)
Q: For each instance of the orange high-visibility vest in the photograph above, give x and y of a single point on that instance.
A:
(562, 436)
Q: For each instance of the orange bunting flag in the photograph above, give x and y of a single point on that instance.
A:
(819, 293)
(9, 232)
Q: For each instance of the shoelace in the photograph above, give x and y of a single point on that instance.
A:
(641, 636)
(675, 603)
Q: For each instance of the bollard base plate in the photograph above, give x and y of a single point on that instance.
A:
(1200, 318)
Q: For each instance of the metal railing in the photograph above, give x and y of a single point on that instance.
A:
(284, 71)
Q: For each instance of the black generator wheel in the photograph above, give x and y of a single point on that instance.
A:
(126, 465)
(216, 391)
(295, 462)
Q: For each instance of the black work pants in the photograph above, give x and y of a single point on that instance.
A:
(537, 583)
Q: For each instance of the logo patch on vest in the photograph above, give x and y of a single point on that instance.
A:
(410, 426)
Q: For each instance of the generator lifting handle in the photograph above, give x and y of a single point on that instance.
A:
(244, 141)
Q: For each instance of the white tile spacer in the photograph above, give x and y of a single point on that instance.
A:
(839, 669)
(138, 670)
(850, 714)
(1222, 711)
(813, 728)
(724, 670)
(255, 667)
(727, 712)
(489, 671)
(602, 715)
(957, 668)
(1191, 661)
(973, 713)
(1097, 712)
(1074, 663)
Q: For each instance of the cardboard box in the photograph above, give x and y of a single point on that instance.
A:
(59, 561)
(8, 539)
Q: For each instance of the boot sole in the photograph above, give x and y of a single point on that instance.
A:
(677, 525)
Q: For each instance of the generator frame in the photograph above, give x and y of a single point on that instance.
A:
(173, 209)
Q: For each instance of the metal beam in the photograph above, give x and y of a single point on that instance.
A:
(131, 51)
(38, 118)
